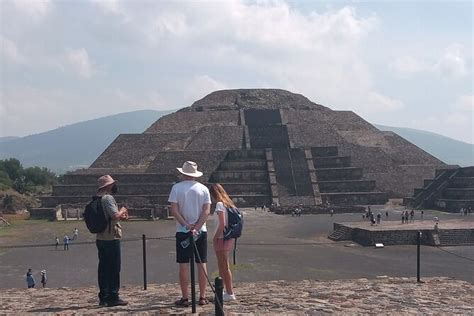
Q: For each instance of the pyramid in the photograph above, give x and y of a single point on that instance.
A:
(264, 146)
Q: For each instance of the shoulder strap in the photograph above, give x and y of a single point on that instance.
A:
(235, 248)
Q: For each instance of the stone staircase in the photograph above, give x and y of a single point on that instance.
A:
(340, 183)
(456, 237)
(244, 175)
(451, 190)
(341, 233)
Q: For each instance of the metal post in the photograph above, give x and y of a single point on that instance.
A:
(144, 261)
(218, 300)
(418, 242)
(193, 278)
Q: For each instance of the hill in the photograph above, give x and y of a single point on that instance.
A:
(76, 145)
(448, 150)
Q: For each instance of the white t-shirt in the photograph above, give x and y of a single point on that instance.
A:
(219, 208)
(190, 196)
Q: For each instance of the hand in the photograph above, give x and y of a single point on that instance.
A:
(190, 227)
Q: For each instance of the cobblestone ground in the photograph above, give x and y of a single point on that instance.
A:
(383, 295)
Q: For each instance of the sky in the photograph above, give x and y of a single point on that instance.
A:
(395, 63)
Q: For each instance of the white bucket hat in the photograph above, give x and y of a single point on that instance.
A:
(190, 169)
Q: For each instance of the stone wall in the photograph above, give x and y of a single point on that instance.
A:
(217, 138)
(191, 121)
(132, 151)
(208, 161)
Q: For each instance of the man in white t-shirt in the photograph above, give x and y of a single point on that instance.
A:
(190, 206)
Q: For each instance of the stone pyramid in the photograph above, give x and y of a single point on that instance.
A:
(265, 146)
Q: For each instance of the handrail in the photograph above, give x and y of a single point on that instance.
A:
(419, 200)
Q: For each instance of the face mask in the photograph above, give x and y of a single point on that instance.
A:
(114, 189)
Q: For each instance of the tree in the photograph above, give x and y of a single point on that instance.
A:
(12, 167)
(5, 179)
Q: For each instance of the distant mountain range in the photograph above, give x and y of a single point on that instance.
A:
(78, 145)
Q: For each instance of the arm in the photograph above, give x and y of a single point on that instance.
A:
(177, 216)
(206, 209)
(121, 214)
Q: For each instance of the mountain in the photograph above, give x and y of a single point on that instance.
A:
(76, 145)
(448, 150)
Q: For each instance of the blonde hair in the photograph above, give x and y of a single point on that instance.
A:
(220, 195)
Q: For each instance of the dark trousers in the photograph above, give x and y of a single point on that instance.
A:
(109, 269)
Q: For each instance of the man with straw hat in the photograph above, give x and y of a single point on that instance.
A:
(190, 206)
(108, 244)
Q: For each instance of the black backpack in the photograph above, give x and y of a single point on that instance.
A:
(94, 216)
(235, 223)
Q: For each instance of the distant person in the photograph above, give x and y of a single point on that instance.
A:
(56, 240)
(412, 216)
(386, 215)
(44, 278)
(76, 234)
(331, 212)
(190, 206)
(223, 247)
(108, 244)
(422, 213)
(66, 242)
(379, 217)
(436, 219)
(30, 280)
(403, 217)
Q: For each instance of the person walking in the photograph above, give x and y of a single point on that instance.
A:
(108, 244)
(66, 242)
(190, 205)
(222, 247)
(56, 240)
(76, 234)
(44, 278)
(30, 280)
(379, 217)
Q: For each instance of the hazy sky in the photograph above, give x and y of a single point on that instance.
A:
(398, 63)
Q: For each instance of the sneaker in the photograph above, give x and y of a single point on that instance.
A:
(118, 302)
(228, 297)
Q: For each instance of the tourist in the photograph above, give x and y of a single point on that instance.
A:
(222, 247)
(379, 217)
(30, 280)
(331, 211)
(386, 215)
(403, 217)
(422, 213)
(66, 242)
(56, 242)
(108, 244)
(412, 216)
(190, 206)
(44, 278)
(436, 219)
(76, 233)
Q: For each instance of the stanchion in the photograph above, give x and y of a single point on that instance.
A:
(418, 242)
(144, 261)
(193, 281)
(218, 299)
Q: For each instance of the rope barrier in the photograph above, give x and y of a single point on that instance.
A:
(454, 254)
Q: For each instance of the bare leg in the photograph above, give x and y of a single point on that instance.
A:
(224, 270)
(184, 279)
(202, 272)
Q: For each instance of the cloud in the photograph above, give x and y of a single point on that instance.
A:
(380, 103)
(113, 7)
(9, 51)
(451, 64)
(465, 103)
(35, 9)
(79, 61)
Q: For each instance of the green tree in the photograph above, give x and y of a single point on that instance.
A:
(12, 167)
(5, 179)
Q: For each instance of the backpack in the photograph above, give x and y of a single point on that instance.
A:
(94, 216)
(235, 223)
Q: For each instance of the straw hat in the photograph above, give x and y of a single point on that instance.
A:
(104, 181)
(190, 169)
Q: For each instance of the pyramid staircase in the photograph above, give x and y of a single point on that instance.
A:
(342, 233)
(340, 183)
(450, 190)
(244, 176)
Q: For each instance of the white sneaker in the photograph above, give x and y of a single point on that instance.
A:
(228, 297)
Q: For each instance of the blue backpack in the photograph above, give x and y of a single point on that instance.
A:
(235, 224)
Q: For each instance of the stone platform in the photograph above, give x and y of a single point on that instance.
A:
(381, 296)
(450, 233)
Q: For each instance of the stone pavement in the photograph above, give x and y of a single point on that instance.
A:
(383, 295)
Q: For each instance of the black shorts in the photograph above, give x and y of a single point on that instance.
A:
(183, 254)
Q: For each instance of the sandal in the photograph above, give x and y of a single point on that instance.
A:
(184, 302)
(203, 301)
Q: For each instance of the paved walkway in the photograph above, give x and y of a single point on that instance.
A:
(464, 223)
(383, 295)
